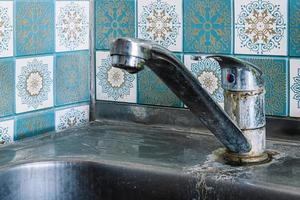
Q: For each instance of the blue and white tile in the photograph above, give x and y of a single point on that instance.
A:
(114, 84)
(72, 78)
(34, 83)
(35, 123)
(208, 72)
(294, 25)
(295, 87)
(113, 19)
(34, 27)
(161, 21)
(72, 25)
(6, 28)
(6, 131)
(261, 27)
(71, 117)
(208, 26)
(7, 79)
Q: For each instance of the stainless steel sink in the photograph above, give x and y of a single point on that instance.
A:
(75, 180)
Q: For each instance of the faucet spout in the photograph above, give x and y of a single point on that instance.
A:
(134, 54)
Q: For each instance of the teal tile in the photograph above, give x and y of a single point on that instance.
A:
(34, 124)
(208, 26)
(72, 77)
(295, 28)
(114, 18)
(151, 90)
(276, 79)
(7, 87)
(34, 27)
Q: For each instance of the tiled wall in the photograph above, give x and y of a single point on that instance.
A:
(44, 66)
(265, 32)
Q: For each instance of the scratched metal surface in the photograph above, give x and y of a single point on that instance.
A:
(158, 148)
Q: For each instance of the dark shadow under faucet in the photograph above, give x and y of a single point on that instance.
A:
(134, 54)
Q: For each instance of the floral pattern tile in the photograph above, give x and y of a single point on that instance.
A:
(72, 77)
(207, 26)
(71, 117)
(34, 27)
(33, 124)
(295, 88)
(208, 72)
(7, 87)
(6, 28)
(275, 72)
(161, 21)
(152, 91)
(261, 27)
(114, 84)
(34, 83)
(6, 131)
(72, 25)
(294, 27)
(114, 18)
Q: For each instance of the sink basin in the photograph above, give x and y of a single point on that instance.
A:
(75, 180)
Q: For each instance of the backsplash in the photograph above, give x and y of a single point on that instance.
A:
(44, 67)
(265, 32)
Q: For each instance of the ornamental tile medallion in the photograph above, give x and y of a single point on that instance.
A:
(6, 28)
(114, 18)
(275, 72)
(295, 87)
(294, 28)
(72, 25)
(34, 83)
(261, 27)
(6, 131)
(207, 26)
(113, 84)
(161, 21)
(34, 27)
(208, 72)
(71, 117)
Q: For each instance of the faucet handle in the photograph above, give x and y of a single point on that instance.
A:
(237, 74)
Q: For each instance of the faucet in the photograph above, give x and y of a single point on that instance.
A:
(240, 128)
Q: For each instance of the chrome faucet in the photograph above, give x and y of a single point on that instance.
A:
(241, 129)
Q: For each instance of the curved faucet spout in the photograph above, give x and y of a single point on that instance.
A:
(134, 54)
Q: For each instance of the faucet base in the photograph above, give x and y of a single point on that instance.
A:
(246, 159)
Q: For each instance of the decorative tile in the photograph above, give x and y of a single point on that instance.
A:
(34, 124)
(161, 21)
(34, 27)
(71, 117)
(72, 77)
(276, 80)
(114, 84)
(6, 28)
(6, 132)
(151, 90)
(207, 26)
(7, 87)
(261, 27)
(295, 88)
(72, 25)
(114, 18)
(208, 72)
(34, 83)
(294, 27)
